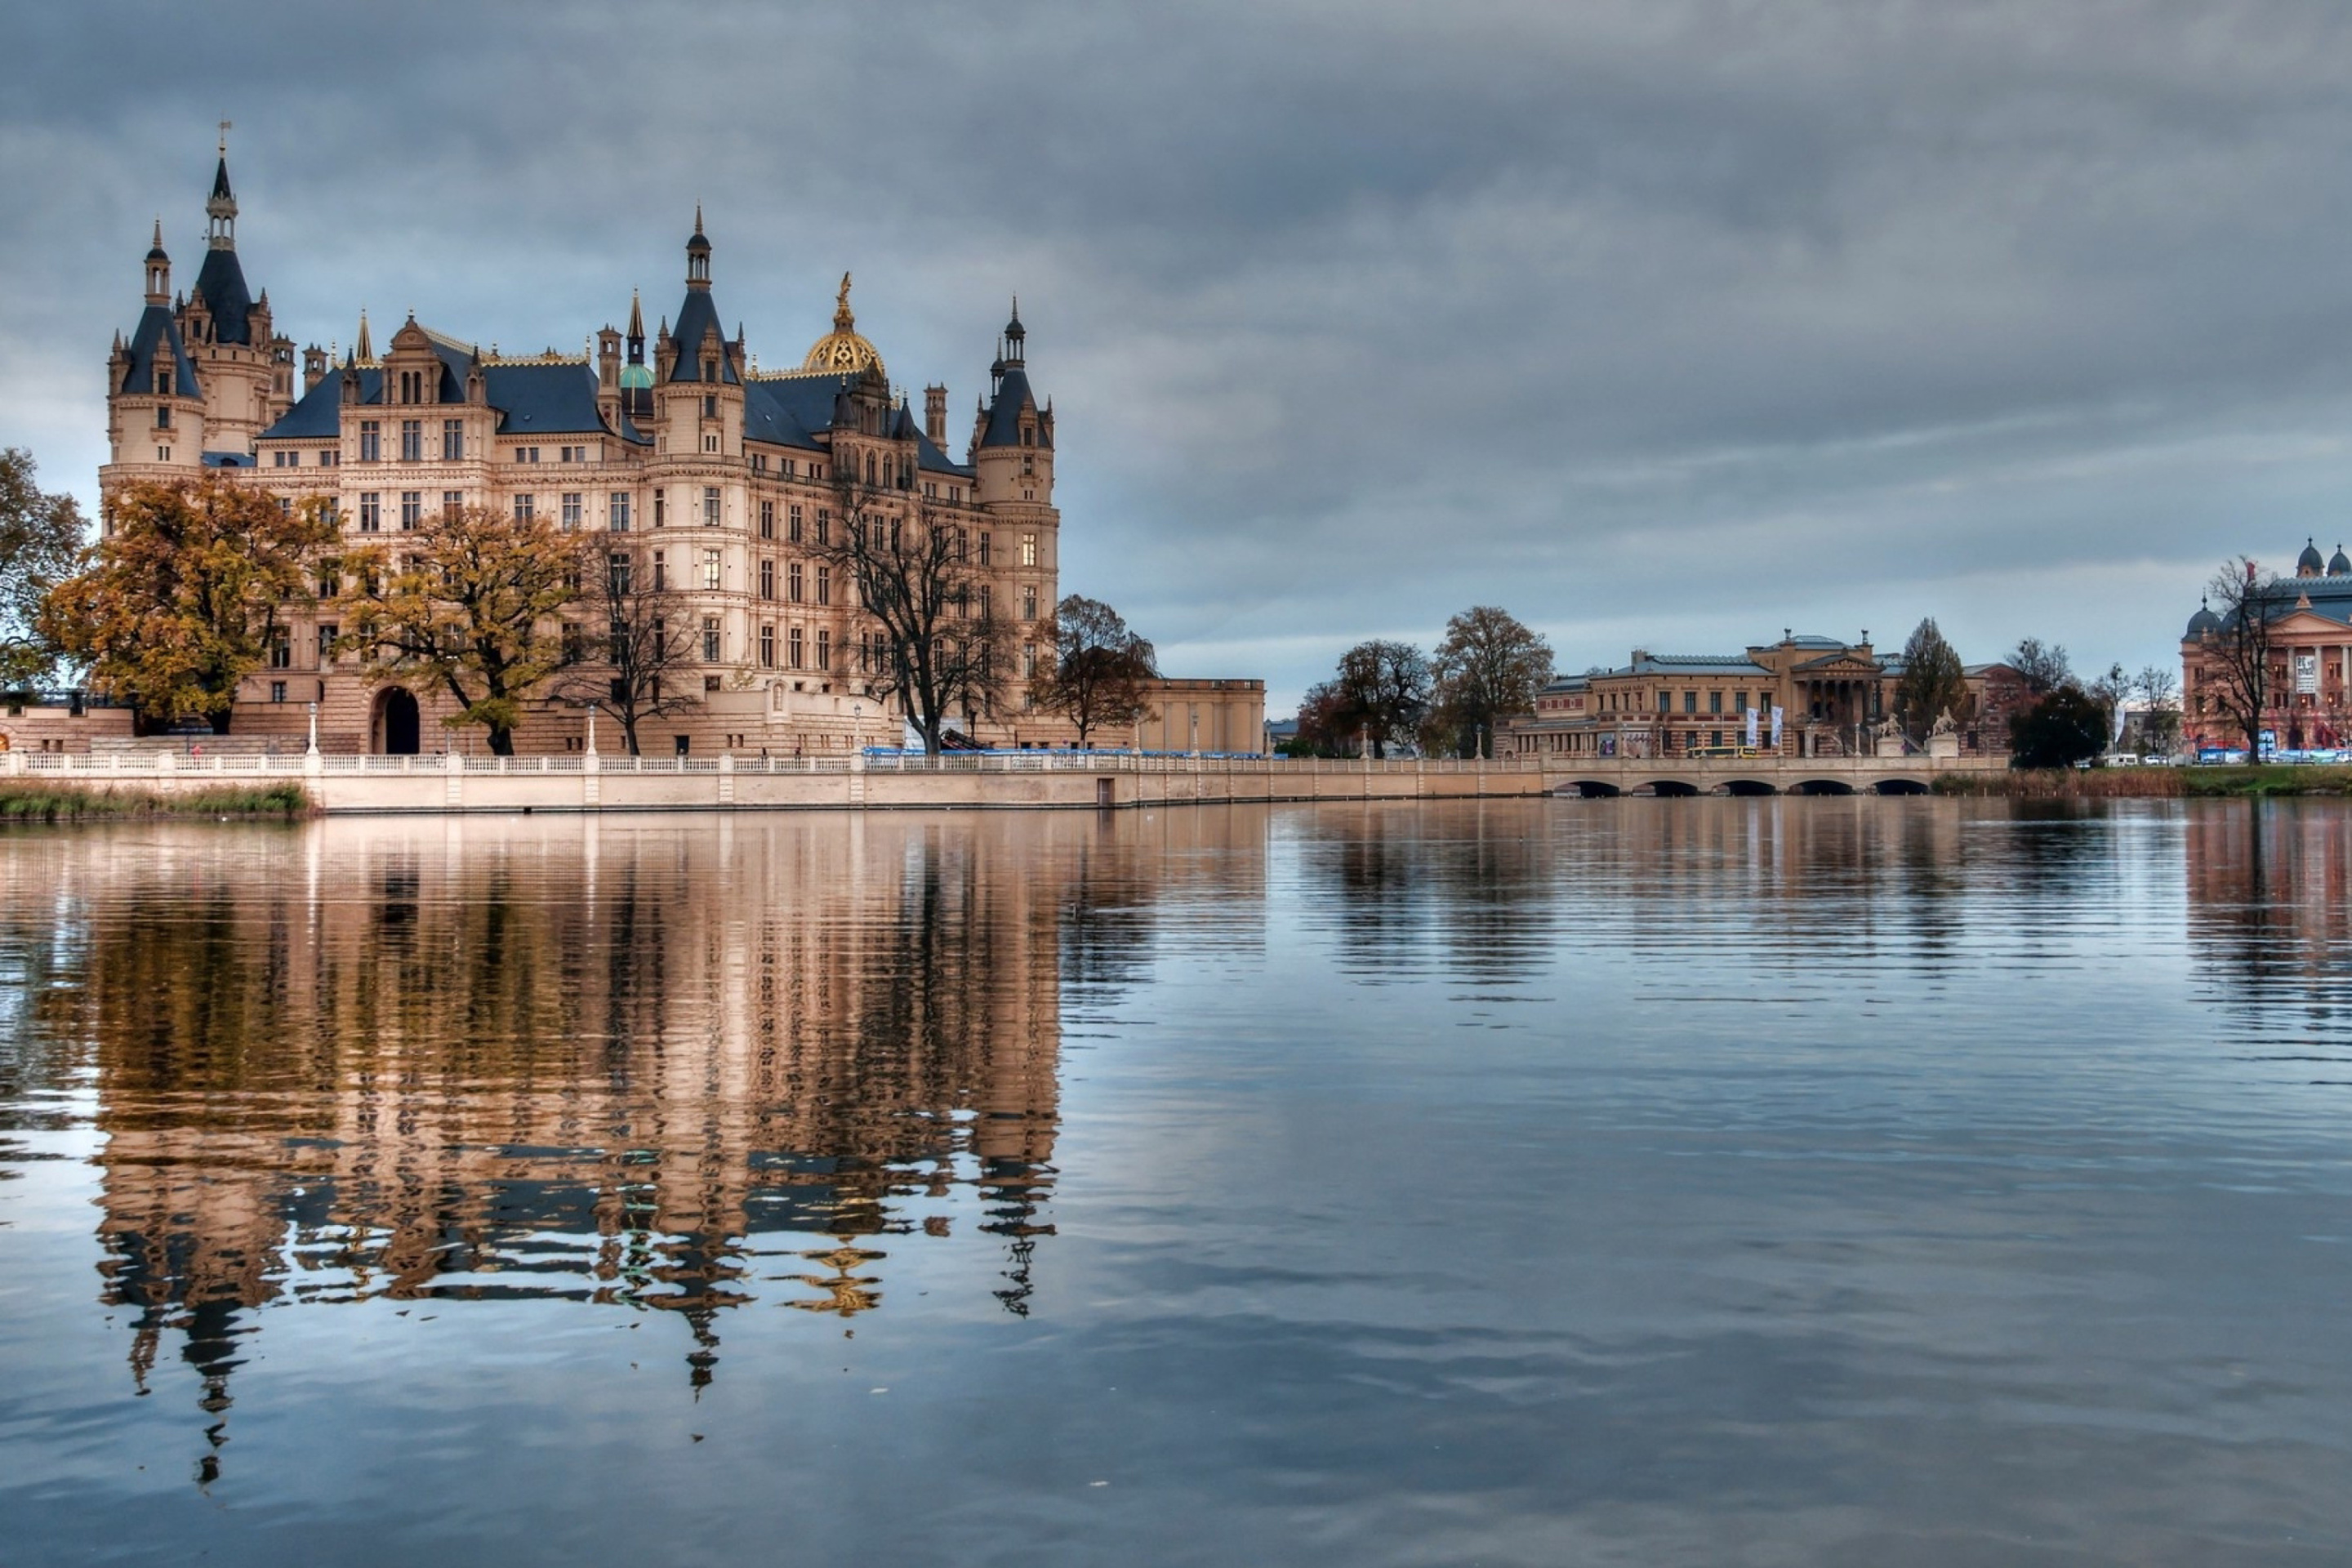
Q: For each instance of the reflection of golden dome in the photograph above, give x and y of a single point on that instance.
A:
(841, 349)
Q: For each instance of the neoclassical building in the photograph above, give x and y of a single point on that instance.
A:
(1831, 697)
(714, 478)
(2310, 677)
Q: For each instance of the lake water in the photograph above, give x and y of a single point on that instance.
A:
(1783, 1181)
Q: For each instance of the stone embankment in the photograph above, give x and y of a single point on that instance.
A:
(1041, 780)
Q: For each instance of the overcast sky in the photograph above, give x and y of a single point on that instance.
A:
(1656, 323)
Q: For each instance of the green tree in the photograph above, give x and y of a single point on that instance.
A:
(1096, 672)
(1489, 669)
(2064, 727)
(1933, 682)
(40, 546)
(186, 594)
(471, 606)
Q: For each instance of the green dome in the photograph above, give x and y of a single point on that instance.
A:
(636, 377)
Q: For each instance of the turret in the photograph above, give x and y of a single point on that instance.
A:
(608, 378)
(159, 270)
(935, 414)
(1013, 441)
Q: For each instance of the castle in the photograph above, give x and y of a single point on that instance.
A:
(714, 478)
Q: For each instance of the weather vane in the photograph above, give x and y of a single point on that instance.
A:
(226, 126)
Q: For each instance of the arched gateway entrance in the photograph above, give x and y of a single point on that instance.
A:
(396, 723)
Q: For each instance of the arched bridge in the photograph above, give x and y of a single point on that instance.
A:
(1603, 777)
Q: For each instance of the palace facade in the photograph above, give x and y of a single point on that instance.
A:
(711, 476)
(1803, 695)
(2310, 679)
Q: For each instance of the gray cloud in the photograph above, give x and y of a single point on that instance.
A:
(1656, 321)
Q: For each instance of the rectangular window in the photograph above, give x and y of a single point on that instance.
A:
(1715, 702)
(710, 401)
(616, 573)
(1690, 701)
(453, 441)
(1029, 602)
(984, 550)
(710, 442)
(328, 633)
(710, 568)
(792, 582)
(710, 639)
(710, 506)
(526, 507)
(661, 572)
(412, 440)
(793, 524)
(526, 454)
(412, 509)
(164, 416)
(452, 503)
(767, 647)
(371, 441)
(570, 512)
(823, 648)
(1665, 702)
(767, 519)
(328, 459)
(277, 691)
(985, 597)
(792, 649)
(1028, 550)
(616, 511)
(825, 584)
(371, 516)
(767, 579)
(661, 498)
(824, 526)
(281, 652)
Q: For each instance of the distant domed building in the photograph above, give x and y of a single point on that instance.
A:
(2307, 699)
(704, 472)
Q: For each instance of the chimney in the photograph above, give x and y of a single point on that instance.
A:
(935, 414)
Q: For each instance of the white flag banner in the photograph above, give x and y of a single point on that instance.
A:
(1751, 742)
(1776, 726)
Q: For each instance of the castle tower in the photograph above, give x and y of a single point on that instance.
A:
(1013, 460)
(154, 399)
(248, 370)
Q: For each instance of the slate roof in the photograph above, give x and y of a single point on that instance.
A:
(221, 280)
(1695, 664)
(228, 459)
(696, 319)
(156, 337)
(1003, 428)
(552, 399)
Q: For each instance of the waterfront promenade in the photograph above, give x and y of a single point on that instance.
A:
(1031, 781)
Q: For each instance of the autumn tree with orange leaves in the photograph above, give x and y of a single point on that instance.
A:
(185, 594)
(469, 603)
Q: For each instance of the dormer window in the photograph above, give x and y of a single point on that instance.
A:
(163, 381)
(709, 369)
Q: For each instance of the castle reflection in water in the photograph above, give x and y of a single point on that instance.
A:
(673, 1067)
(690, 1066)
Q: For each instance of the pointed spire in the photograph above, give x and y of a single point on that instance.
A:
(637, 318)
(159, 269)
(365, 350)
(697, 217)
(221, 209)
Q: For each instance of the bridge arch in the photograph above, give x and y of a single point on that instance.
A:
(1589, 789)
(1822, 786)
(1671, 789)
(1749, 786)
(1902, 787)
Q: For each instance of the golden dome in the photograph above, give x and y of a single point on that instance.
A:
(840, 350)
